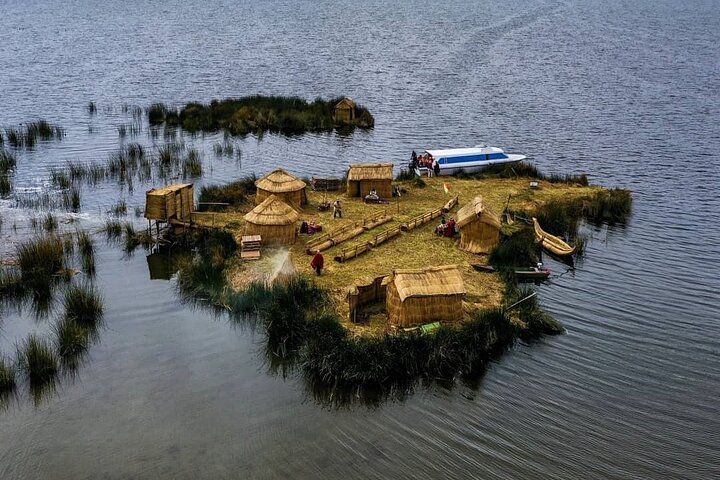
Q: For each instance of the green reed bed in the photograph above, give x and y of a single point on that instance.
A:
(41, 256)
(7, 375)
(119, 209)
(27, 135)
(5, 186)
(235, 193)
(522, 169)
(192, 166)
(8, 161)
(50, 223)
(86, 248)
(37, 359)
(84, 304)
(71, 339)
(113, 228)
(258, 114)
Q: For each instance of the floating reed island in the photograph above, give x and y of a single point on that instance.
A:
(258, 114)
(395, 300)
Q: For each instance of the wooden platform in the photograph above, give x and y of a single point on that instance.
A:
(250, 247)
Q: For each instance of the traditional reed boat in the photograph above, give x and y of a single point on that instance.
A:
(552, 243)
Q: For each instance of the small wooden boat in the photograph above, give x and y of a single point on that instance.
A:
(552, 243)
(532, 273)
(483, 268)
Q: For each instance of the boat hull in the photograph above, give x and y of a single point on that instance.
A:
(551, 243)
(470, 167)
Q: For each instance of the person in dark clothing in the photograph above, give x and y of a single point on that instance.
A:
(318, 262)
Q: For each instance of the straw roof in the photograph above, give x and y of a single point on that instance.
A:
(345, 103)
(428, 282)
(280, 181)
(475, 209)
(162, 191)
(370, 171)
(272, 211)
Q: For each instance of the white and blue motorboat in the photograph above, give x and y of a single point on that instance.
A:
(469, 160)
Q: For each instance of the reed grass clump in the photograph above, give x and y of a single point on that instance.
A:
(37, 359)
(405, 174)
(26, 136)
(523, 169)
(113, 228)
(235, 194)
(86, 247)
(84, 304)
(192, 166)
(91, 108)
(71, 339)
(41, 257)
(7, 375)
(5, 186)
(50, 223)
(119, 209)
(515, 249)
(8, 161)
(71, 199)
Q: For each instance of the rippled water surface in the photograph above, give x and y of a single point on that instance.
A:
(625, 91)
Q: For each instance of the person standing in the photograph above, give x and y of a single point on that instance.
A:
(337, 208)
(436, 167)
(318, 262)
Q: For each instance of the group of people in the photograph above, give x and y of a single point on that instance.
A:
(310, 227)
(425, 160)
(446, 228)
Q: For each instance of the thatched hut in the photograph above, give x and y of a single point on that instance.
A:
(284, 186)
(345, 111)
(274, 220)
(173, 202)
(479, 227)
(364, 177)
(420, 296)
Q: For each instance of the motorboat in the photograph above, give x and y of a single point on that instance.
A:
(469, 160)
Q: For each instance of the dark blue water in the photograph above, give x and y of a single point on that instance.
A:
(625, 91)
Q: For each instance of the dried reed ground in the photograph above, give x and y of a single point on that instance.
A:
(416, 249)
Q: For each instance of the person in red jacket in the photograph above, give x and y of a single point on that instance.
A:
(318, 262)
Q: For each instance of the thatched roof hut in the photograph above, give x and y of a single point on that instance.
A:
(479, 227)
(274, 220)
(172, 202)
(283, 185)
(417, 296)
(345, 111)
(364, 177)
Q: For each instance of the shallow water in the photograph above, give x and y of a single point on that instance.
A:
(625, 91)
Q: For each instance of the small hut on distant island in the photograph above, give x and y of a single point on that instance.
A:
(283, 185)
(345, 111)
(418, 296)
(479, 227)
(274, 220)
(364, 177)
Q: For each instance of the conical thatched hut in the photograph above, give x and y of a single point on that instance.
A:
(274, 220)
(284, 186)
(425, 295)
(479, 227)
(364, 177)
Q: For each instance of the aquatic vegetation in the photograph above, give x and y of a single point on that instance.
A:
(50, 223)
(41, 257)
(515, 249)
(71, 199)
(234, 193)
(523, 169)
(91, 108)
(5, 186)
(7, 375)
(84, 304)
(405, 174)
(119, 209)
(192, 166)
(113, 228)
(37, 359)
(26, 136)
(258, 114)
(8, 161)
(86, 246)
(71, 339)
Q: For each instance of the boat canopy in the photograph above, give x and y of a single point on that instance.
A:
(474, 154)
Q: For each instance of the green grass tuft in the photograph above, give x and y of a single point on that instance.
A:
(37, 359)
(83, 304)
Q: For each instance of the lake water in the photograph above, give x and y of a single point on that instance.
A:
(625, 91)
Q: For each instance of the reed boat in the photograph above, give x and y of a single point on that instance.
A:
(552, 243)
